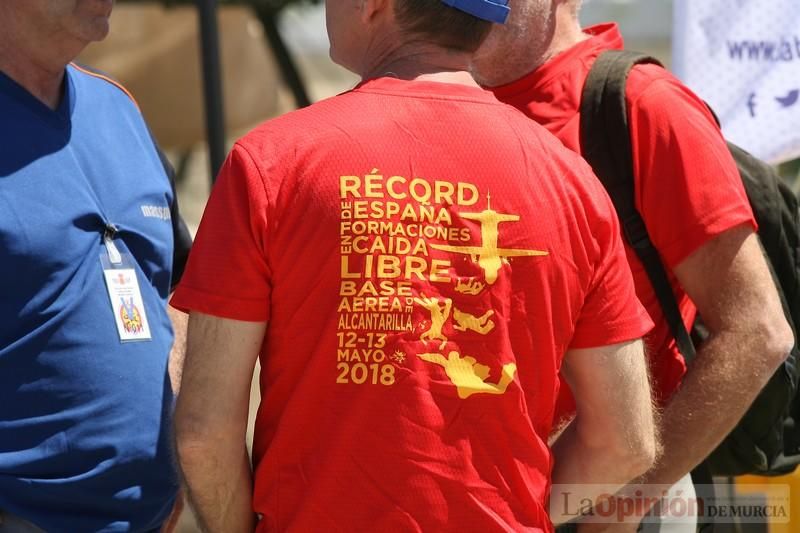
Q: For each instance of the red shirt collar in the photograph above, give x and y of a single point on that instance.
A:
(425, 89)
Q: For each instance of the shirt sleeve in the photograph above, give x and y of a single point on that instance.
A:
(181, 237)
(611, 312)
(228, 273)
(688, 186)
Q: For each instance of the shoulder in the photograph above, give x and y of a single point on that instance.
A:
(552, 155)
(101, 83)
(663, 111)
(318, 128)
(574, 190)
(642, 76)
(105, 103)
(653, 89)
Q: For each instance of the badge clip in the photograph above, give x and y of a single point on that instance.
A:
(114, 257)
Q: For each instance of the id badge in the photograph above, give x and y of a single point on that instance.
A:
(124, 295)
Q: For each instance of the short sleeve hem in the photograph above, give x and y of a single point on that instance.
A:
(190, 299)
(607, 334)
(705, 231)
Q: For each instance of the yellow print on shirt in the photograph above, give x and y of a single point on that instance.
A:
(469, 376)
(439, 314)
(465, 321)
(471, 287)
(488, 256)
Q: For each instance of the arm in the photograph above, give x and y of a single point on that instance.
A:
(683, 165)
(729, 281)
(211, 420)
(179, 322)
(612, 438)
(177, 354)
(181, 237)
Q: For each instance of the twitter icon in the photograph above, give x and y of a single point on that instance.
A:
(790, 99)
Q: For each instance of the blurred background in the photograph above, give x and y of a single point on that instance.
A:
(274, 58)
(154, 50)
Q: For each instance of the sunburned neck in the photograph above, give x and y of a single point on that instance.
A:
(424, 63)
(526, 50)
(562, 43)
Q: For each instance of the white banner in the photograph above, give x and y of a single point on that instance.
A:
(743, 58)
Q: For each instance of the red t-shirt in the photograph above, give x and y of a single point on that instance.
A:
(688, 189)
(424, 255)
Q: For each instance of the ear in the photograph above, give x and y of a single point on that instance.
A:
(371, 10)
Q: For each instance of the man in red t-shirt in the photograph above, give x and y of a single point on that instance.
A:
(691, 198)
(413, 262)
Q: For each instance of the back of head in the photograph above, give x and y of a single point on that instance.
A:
(459, 25)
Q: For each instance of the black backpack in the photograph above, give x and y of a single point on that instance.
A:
(767, 439)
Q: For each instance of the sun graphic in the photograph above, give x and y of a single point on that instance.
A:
(399, 356)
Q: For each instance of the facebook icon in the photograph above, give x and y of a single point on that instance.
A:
(751, 104)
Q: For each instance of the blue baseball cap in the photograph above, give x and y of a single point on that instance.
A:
(491, 10)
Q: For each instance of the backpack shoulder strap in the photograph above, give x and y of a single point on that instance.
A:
(606, 144)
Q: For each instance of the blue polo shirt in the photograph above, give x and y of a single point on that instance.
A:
(84, 417)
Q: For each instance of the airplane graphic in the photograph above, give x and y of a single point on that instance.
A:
(488, 256)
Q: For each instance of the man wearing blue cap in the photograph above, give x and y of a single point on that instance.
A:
(427, 259)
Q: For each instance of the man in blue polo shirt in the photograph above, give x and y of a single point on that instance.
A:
(90, 244)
